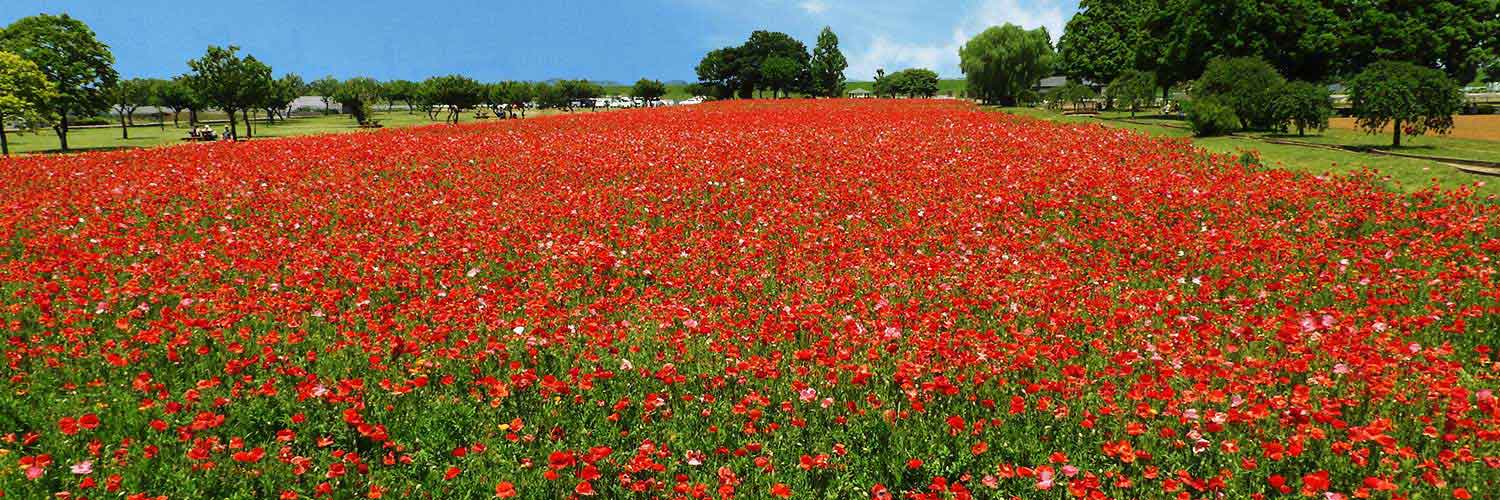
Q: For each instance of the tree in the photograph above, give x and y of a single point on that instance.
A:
(176, 95)
(1133, 88)
(720, 72)
(72, 58)
(400, 90)
(700, 90)
(778, 74)
(914, 82)
(576, 91)
(1296, 36)
(357, 94)
(764, 45)
(1246, 84)
(1105, 39)
(1210, 116)
(519, 96)
(282, 93)
(827, 65)
(740, 70)
(124, 98)
(23, 90)
(1302, 105)
(649, 91)
(325, 87)
(1073, 93)
(1004, 61)
(456, 93)
(221, 78)
(256, 90)
(1410, 98)
(549, 96)
(1455, 36)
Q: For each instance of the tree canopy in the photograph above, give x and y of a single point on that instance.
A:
(324, 88)
(71, 57)
(1003, 62)
(742, 70)
(23, 90)
(779, 74)
(914, 82)
(648, 90)
(827, 65)
(1105, 39)
(175, 94)
(456, 93)
(223, 79)
(1303, 106)
(358, 94)
(405, 91)
(125, 97)
(1132, 88)
(283, 91)
(1455, 36)
(1247, 84)
(1309, 40)
(1410, 98)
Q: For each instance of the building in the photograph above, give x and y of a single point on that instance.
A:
(861, 94)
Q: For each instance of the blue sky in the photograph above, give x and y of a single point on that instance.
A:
(496, 39)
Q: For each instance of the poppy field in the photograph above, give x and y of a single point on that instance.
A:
(791, 299)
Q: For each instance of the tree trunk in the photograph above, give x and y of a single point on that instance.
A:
(233, 132)
(174, 118)
(1397, 127)
(249, 130)
(4, 142)
(62, 130)
(193, 117)
(124, 129)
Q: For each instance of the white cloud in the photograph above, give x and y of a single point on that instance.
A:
(813, 7)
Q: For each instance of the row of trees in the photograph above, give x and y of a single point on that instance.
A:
(1318, 41)
(775, 62)
(54, 69)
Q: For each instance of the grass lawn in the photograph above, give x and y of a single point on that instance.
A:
(1401, 173)
(97, 139)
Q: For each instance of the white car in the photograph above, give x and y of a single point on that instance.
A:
(692, 100)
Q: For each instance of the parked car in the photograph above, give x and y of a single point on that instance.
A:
(692, 100)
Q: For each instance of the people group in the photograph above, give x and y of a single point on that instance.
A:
(202, 132)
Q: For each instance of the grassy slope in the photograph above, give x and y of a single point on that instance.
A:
(1402, 174)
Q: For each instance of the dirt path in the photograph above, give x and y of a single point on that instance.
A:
(1482, 127)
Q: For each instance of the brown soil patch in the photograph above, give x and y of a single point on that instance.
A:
(1482, 127)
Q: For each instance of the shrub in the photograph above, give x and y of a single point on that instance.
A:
(1302, 105)
(1210, 117)
(1248, 85)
